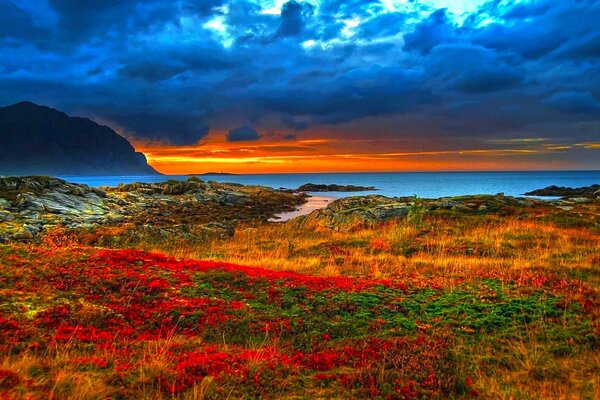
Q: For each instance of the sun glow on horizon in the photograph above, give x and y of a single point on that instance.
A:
(348, 155)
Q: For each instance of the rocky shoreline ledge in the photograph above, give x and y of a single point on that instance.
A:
(30, 205)
(357, 212)
(562, 191)
(197, 210)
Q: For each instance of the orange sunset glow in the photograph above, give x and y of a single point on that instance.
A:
(216, 154)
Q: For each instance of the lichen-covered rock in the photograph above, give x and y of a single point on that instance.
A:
(170, 187)
(353, 212)
(41, 201)
(357, 212)
(11, 186)
(6, 216)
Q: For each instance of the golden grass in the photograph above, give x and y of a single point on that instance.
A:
(544, 376)
(447, 248)
(65, 382)
(442, 247)
(68, 381)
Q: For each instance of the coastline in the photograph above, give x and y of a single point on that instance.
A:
(425, 185)
(313, 203)
(199, 261)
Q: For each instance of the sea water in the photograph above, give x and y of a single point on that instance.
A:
(423, 184)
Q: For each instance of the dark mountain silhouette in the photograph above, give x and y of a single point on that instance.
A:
(39, 140)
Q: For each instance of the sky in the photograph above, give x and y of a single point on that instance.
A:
(260, 86)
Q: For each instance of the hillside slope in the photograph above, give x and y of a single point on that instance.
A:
(39, 140)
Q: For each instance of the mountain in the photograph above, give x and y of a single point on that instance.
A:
(39, 140)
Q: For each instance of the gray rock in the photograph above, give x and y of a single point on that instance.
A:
(581, 200)
(442, 203)
(34, 229)
(347, 213)
(4, 204)
(29, 214)
(6, 216)
(566, 208)
(28, 202)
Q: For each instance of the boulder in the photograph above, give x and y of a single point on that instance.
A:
(353, 212)
(5, 204)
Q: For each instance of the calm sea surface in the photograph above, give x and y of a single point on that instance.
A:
(424, 184)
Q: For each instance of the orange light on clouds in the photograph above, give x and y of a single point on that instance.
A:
(215, 154)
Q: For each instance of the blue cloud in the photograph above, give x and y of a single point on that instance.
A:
(170, 70)
(574, 102)
(471, 69)
(435, 30)
(293, 16)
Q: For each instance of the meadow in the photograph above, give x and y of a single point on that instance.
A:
(435, 305)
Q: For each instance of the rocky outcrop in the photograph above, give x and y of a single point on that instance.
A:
(170, 187)
(347, 213)
(29, 205)
(562, 191)
(362, 211)
(38, 194)
(313, 187)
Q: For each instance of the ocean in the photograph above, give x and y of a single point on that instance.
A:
(423, 184)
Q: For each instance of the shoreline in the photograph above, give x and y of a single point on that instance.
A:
(425, 185)
(313, 203)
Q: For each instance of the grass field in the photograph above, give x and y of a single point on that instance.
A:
(450, 306)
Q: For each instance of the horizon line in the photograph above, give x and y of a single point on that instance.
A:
(377, 172)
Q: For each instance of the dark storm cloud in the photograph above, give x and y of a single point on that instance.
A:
(162, 127)
(16, 23)
(536, 29)
(352, 95)
(87, 17)
(243, 134)
(584, 47)
(429, 33)
(574, 102)
(293, 18)
(169, 70)
(154, 70)
(470, 69)
(160, 63)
